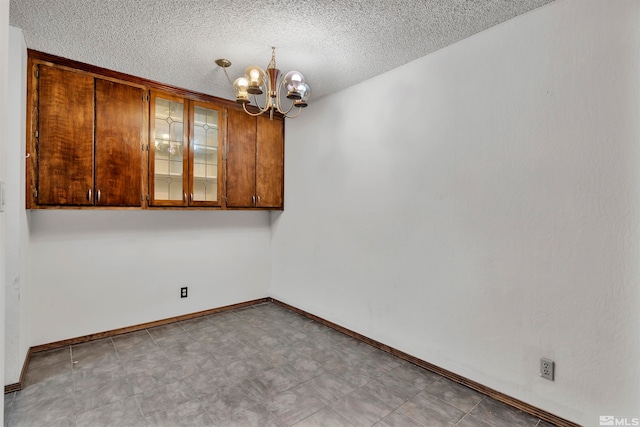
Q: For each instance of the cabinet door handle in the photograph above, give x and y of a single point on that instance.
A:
(98, 196)
(191, 197)
(89, 195)
(184, 197)
(258, 201)
(253, 200)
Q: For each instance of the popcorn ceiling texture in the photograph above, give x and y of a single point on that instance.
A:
(335, 44)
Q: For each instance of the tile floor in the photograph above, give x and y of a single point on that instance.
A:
(259, 366)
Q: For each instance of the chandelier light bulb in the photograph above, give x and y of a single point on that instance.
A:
(305, 94)
(293, 81)
(240, 87)
(255, 76)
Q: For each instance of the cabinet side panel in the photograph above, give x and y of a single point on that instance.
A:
(119, 121)
(241, 159)
(270, 159)
(65, 143)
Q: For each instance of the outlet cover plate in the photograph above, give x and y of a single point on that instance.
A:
(547, 369)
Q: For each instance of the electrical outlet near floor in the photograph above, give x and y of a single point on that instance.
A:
(547, 368)
(183, 292)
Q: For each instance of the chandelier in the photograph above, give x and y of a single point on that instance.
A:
(272, 85)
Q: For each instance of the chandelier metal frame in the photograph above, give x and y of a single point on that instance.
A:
(272, 84)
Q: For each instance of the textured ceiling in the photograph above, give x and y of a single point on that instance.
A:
(335, 44)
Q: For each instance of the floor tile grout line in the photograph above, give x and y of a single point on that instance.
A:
(468, 413)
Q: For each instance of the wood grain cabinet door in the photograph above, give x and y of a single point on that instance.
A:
(241, 159)
(65, 137)
(118, 144)
(270, 163)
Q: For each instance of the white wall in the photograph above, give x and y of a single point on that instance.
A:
(4, 59)
(93, 271)
(478, 208)
(17, 330)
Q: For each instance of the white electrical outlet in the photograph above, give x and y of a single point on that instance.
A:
(547, 368)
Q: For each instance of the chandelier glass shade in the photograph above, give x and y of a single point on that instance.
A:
(272, 85)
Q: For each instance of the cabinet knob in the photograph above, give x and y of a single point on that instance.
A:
(98, 196)
(184, 197)
(89, 195)
(191, 197)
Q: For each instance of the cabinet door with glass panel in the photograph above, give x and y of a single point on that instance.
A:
(206, 130)
(168, 150)
(185, 152)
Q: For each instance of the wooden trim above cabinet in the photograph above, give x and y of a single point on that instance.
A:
(147, 88)
(123, 77)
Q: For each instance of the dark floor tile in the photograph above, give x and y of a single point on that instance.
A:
(53, 409)
(325, 417)
(398, 419)
(50, 357)
(271, 382)
(149, 371)
(305, 368)
(95, 375)
(205, 383)
(102, 394)
(227, 352)
(256, 416)
(331, 387)
(362, 408)
(168, 331)
(295, 404)
(93, 351)
(415, 375)
(42, 369)
(427, 409)
(197, 323)
(134, 344)
(247, 367)
(455, 394)
(225, 402)
(52, 386)
(37, 421)
(195, 364)
(352, 372)
(180, 350)
(391, 390)
(382, 360)
(499, 414)
(123, 413)
(471, 421)
(188, 414)
(164, 396)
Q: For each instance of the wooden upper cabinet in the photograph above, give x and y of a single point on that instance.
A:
(270, 163)
(241, 159)
(98, 138)
(64, 137)
(255, 161)
(119, 118)
(88, 140)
